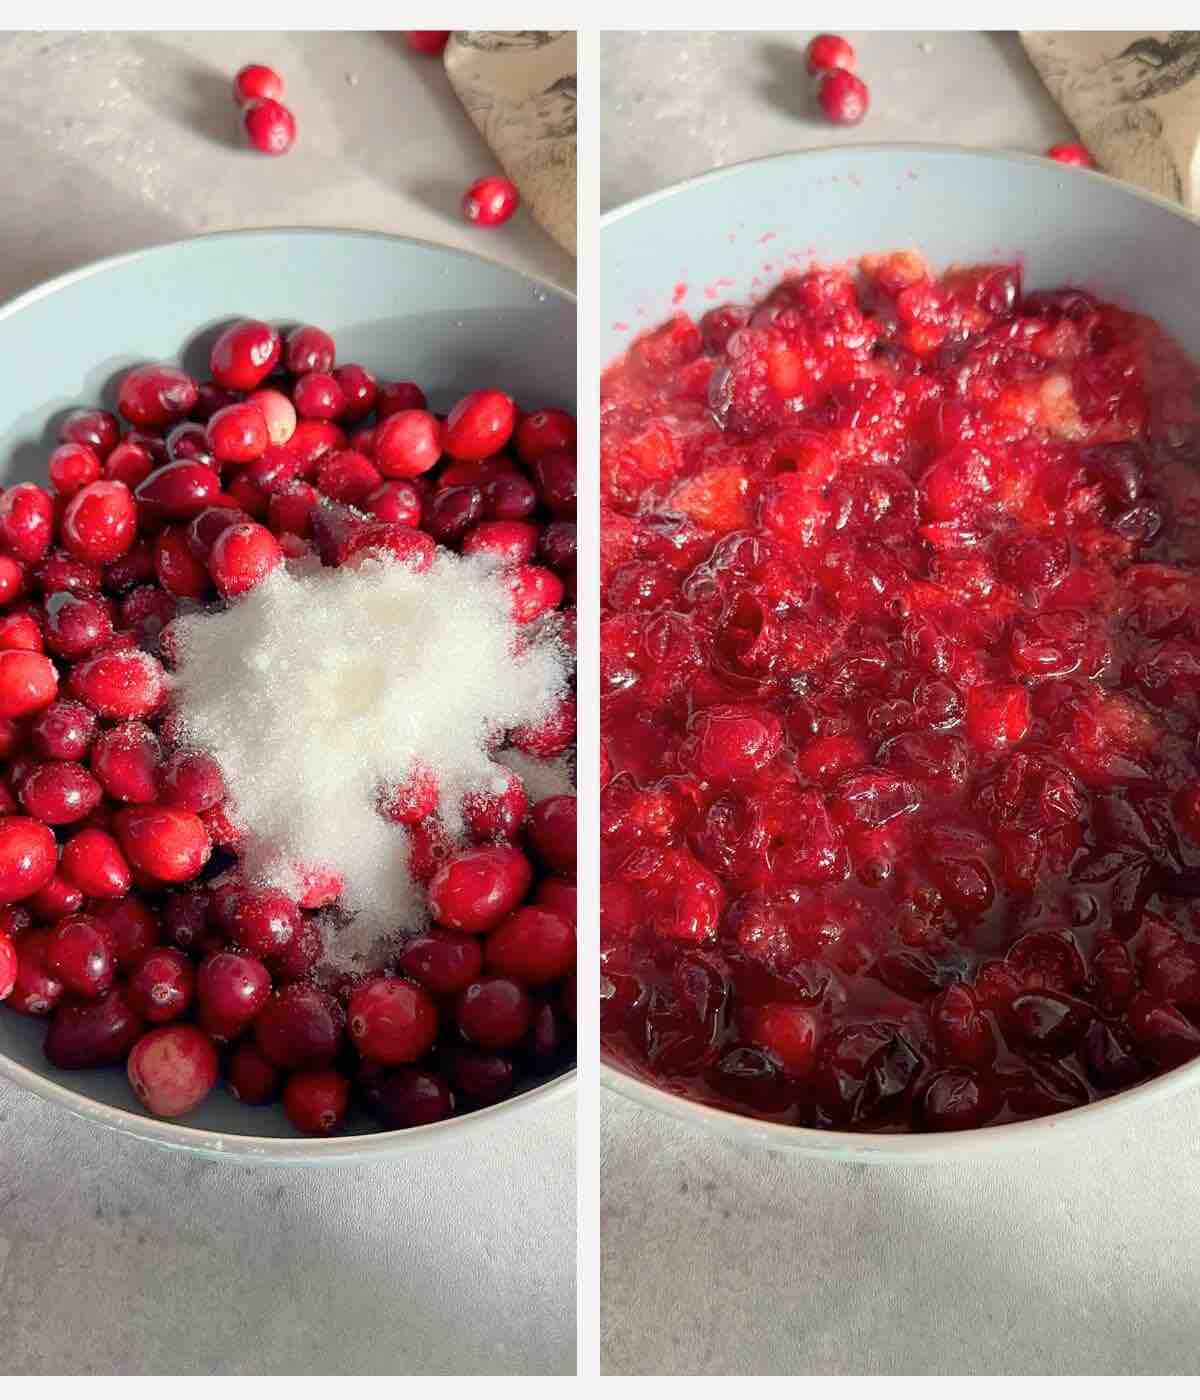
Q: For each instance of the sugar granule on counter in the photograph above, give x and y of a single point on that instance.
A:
(324, 688)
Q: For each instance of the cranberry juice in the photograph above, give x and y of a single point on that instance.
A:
(900, 662)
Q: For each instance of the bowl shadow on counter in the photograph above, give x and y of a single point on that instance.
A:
(736, 1259)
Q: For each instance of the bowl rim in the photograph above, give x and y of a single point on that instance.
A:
(907, 1147)
(898, 149)
(168, 1133)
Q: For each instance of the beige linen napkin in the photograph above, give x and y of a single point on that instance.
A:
(518, 87)
(1134, 98)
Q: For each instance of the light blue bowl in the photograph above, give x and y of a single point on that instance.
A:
(731, 234)
(407, 310)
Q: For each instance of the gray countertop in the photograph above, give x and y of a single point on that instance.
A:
(1082, 1258)
(119, 1258)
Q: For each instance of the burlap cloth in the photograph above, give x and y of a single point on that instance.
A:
(1134, 98)
(518, 87)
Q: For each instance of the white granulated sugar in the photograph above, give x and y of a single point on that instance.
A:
(324, 687)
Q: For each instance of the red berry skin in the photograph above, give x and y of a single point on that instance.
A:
(162, 985)
(300, 1027)
(100, 522)
(844, 98)
(444, 962)
(28, 683)
(547, 430)
(86, 1035)
(256, 81)
(8, 966)
(73, 465)
(430, 42)
(532, 945)
(308, 349)
(250, 1077)
(1072, 153)
(92, 428)
(242, 557)
(474, 891)
(125, 759)
(316, 1101)
(231, 989)
(93, 861)
(172, 1070)
(490, 201)
(397, 397)
(35, 990)
(410, 1098)
(408, 443)
(552, 826)
(238, 433)
(124, 684)
(494, 1013)
(244, 354)
(80, 953)
(152, 396)
(479, 425)
(830, 51)
(165, 843)
(26, 521)
(391, 1020)
(28, 855)
(270, 127)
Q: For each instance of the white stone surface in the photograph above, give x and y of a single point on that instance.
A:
(116, 1257)
(721, 1259)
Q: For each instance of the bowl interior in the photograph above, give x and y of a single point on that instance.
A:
(405, 310)
(732, 234)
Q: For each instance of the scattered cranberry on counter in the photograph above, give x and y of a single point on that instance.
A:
(490, 201)
(427, 41)
(255, 83)
(843, 97)
(1072, 153)
(269, 126)
(831, 51)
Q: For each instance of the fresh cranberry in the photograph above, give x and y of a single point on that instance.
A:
(300, 1027)
(256, 81)
(242, 557)
(126, 759)
(26, 521)
(407, 443)
(491, 200)
(430, 42)
(86, 1035)
(155, 396)
(59, 793)
(830, 51)
(552, 736)
(191, 780)
(270, 127)
(80, 953)
(411, 1098)
(316, 1101)
(552, 832)
(166, 843)
(547, 430)
(100, 522)
(479, 425)
(92, 428)
(507, 495)
(35, 991)
(72, 467)
(308, 349)
(443, 962)
(391, 1020)
(28, 683)
(358, 390)
(64, 731)
(124, 684)
(396, 503)
(398, 397)
(265, 922)
(238, 433)
(1072, 153)
(554, 477)
(244, 354)
(94, 862)
(162, 985)
(28, 855)
(76, 626)
(231, 989)
(348, 477)
(532, 590)
(844, 98)
(172, 1070)
(494, 1012)
(532, 945)
(250, 1076)
(8, 966)
(474, 891)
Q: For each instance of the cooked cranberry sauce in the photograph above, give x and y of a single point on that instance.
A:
(901, 677)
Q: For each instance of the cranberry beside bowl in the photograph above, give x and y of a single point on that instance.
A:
(401, 314)
(834, 921)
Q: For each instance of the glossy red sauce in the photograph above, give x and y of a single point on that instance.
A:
(901, 680)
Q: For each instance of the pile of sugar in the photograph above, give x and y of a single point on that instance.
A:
(323, 688)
